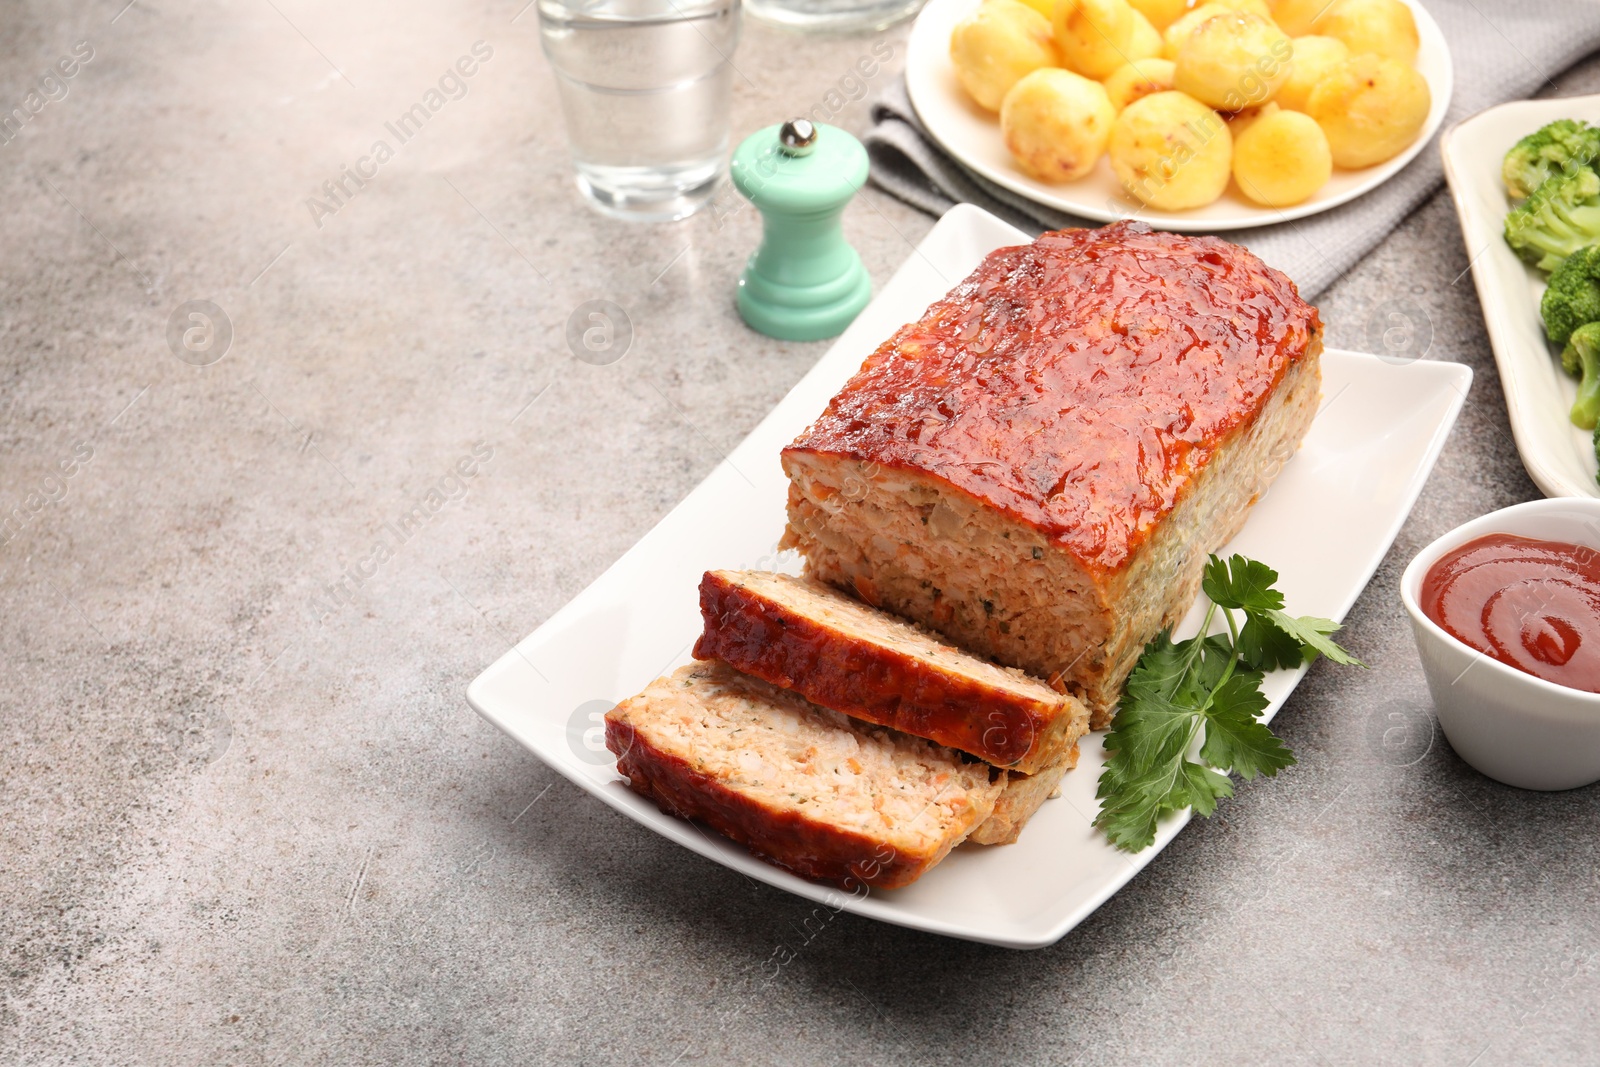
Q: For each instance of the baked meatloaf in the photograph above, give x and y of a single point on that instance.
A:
(840, 653)
(809, 789)
(1038, 466)
(1021, 799)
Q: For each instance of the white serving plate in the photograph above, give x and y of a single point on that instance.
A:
(1559, 457)
(1326, 524)
(972, 136)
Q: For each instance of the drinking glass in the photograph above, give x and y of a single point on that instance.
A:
(644, 87)
(834, 16)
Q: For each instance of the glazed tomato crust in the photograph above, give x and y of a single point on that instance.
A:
(1078, 384)
(811, 849)
(760, 637)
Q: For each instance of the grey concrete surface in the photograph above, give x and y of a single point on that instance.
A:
(245, 824)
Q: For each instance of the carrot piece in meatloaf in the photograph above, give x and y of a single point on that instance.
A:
(840, 653)
(1038, 467)
(806, 788)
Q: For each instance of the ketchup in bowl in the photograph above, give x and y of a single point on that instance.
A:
(1533, 605)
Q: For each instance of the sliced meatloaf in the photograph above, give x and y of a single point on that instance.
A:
(1021, 799)
(840, 653)
(1038, 466)
(809, 789)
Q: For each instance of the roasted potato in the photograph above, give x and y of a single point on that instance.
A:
(1094, 35)
(1131, 81)
(1144, 42)
(1180, 29)
(1295, 17)
(1056, 124)
(1047, 8)
(1281, 159)
(1171, 151)
(1240, 121)
(996, 45)
(1161, 13)
(1173, 36)
(1233, 61)
(1253, 7)
(1314, 58)
(1382, 27)
(1370, 107)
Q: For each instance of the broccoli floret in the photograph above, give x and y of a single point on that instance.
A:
(1564, 145)
(1561, 216)
(1582, 356)
(1573, 297)
(1569, 359)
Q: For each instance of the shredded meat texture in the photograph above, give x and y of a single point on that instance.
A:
(802, 786)
(842, 654)
(1077, 384)
(1024, 795)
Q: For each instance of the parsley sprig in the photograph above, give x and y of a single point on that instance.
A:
(1210, 683)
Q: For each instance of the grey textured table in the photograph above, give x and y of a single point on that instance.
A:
(250, 819)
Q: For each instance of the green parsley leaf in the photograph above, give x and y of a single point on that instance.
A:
(1131, 822)
(1214, 662)
(1264, 646)
(1234, 739)
(1131, 817)
(1241, 583)
(1313, 632)
(1157, 735)
(1162, 666)
(1207, 689)
(1206, 787)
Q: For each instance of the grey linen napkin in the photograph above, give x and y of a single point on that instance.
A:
(1502, 51)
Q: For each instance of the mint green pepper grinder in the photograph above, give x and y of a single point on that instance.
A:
(805, 282)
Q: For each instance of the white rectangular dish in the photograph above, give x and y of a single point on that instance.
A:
(1325, 526)
(1559, 457)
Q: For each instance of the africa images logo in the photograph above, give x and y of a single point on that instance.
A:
(452, 85)
(396, 532)
(51, 88)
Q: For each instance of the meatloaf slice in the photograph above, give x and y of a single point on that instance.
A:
(806, 788)
(1038, 466)
(840, 653)
(1021, 799)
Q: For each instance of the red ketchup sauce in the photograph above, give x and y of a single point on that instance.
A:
(1533, 605)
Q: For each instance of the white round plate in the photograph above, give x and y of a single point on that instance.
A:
(972, 136)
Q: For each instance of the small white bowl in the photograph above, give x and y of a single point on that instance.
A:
(1515, 728)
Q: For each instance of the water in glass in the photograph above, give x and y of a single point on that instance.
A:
(644, 87)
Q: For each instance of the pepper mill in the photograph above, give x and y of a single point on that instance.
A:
(805, 282)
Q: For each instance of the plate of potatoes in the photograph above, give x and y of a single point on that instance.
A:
(1197, 115)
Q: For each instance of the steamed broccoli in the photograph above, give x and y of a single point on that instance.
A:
(1582, 356)
(1561, 216)
(1564, 145)
(1573, 297)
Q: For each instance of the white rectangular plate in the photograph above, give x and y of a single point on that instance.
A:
(1325, 526)
(1559, 457)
